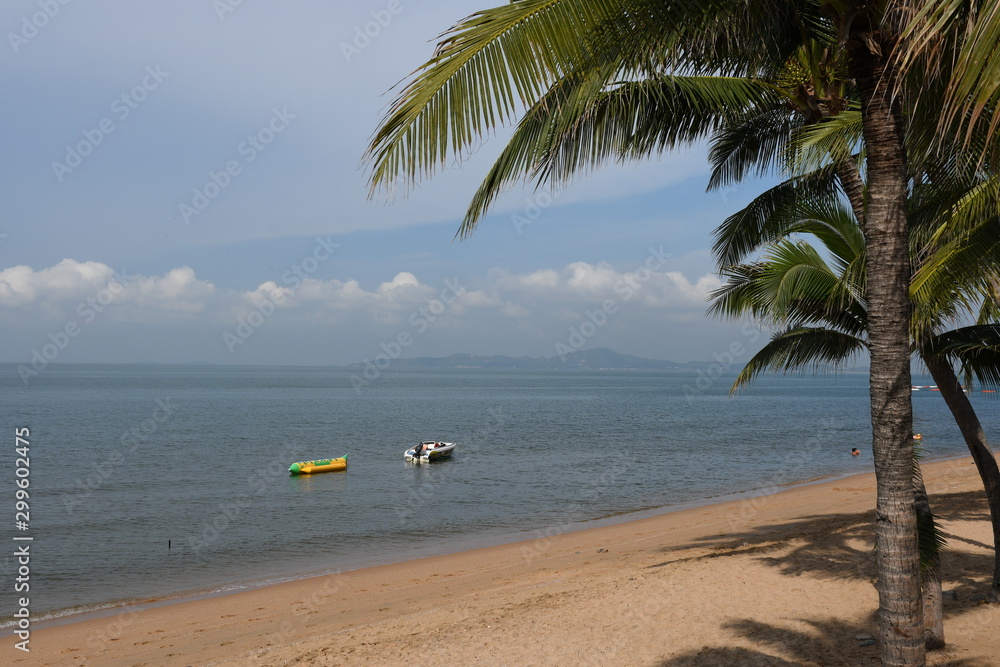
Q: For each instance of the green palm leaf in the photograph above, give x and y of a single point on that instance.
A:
(501, 61)
(976, 348)
(577, 126)
(929, 535)
(954, 48)
(755, 146)
(768, 215)
(834, 139)
(800, 348)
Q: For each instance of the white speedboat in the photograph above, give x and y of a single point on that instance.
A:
(428, 451)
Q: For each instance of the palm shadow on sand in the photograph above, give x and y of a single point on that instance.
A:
(837, 546)
(833, 639)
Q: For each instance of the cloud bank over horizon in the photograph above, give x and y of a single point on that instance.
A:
(340, 321)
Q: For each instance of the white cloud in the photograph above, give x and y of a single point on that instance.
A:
(69, 279)
(544, 279)
(514, 295)
(178, 290)
(70, 283)
(539, 294)
(269, 292)
(584, 283)
(501, 312)
(403, 291)
(513, 310)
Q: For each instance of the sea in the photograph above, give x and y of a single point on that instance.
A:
(161, 482)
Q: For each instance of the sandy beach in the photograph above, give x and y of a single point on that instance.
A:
(781, 579)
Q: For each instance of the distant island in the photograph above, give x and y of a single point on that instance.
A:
(597, 359)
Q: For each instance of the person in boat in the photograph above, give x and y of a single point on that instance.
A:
(855, 452)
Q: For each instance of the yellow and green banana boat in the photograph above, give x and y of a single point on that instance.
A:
(324, 465)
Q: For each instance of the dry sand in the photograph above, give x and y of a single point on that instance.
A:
(784, 579)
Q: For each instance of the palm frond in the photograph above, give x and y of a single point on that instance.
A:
(834, 139)
(976, 348)
(755, 145)
(485, 69)
(800, 348)
(793, 285)
(768, 215)
(954, 47)
(955, 246)
(501, 61)
(930, 539)
(577, 126)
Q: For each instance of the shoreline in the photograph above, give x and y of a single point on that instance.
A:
(66, 616)
(545, 580)
(60, 617)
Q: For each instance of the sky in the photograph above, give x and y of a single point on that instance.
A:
(184, 184)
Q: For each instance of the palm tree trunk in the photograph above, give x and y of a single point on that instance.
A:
(975, 438)
(901, 631)
(930, 576)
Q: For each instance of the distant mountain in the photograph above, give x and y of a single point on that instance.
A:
(600, 358)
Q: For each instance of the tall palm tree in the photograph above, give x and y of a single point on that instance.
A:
(824, 311)
(625, 79)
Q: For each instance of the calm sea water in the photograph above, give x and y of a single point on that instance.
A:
(125, 459)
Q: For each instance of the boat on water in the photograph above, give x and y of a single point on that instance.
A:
(321, 465)
(428, 451)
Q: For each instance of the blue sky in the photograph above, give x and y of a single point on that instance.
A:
(185, 184)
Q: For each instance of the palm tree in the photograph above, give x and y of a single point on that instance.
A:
(948, 197)
(625, 79)
(824, 312)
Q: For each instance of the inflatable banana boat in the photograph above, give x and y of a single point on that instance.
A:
(324, 465)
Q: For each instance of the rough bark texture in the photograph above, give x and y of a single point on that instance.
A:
(930, 576)
(986, 463)
(901, 627)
